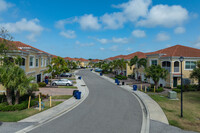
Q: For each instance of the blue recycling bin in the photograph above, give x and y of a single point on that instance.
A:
(91, 69)
(116, 80)
(74, 92)
(135, 87)
(78, 95)
(46, 81)
(101, 74)
(79, 77)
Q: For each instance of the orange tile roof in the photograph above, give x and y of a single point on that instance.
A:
(178, 50)
(76, 59)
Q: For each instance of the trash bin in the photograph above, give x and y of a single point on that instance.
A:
(74, 92)
(46, 81)
(91, 69)
(116, 80)
(123, 83)
(101, 74)
(79, 77)
(135, 87)
(78, 95)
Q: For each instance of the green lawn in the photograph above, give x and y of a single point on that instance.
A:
(62, 97)
(14, 116)
(191, 110)
(68, 87)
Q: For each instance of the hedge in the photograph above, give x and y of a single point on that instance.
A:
(5, 107)
(42, 84)
(120, 77)
(176, 90)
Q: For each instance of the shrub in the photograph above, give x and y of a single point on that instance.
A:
(120, 77)
(160, 89)
(21, 106)
(42, 84)
(176, 90)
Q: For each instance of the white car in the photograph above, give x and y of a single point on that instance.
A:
(64, 82)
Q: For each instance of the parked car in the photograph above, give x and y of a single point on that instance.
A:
(98, 70)
(64, 82)
(66, 75)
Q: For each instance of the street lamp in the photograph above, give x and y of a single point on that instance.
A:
(181, 60)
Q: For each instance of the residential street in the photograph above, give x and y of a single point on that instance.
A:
(108, 108)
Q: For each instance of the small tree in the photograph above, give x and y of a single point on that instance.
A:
(196, 73)
(14, 79)
(156, 72)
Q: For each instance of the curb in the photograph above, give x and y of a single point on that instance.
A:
(146, 115)
(74, 105)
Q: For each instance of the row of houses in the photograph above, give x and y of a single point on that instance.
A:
(168, 58)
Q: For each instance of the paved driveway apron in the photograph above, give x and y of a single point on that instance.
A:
(107, 109)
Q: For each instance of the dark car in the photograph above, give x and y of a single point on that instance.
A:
(66, 75)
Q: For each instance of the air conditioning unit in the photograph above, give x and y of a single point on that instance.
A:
(172, 95)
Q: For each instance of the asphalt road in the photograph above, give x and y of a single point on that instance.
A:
(107, 109)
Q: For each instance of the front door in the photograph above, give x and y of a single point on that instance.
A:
(175, 82)
(38, 78)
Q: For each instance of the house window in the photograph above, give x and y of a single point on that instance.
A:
(154, 62)
(36, 63)
(41, 62)
(45, 62)
(31, 61)
(190, 64)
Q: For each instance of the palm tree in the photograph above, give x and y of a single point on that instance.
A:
(14, 79)
(156, 72)
(196, 73)
(119, 64)
(138, 63)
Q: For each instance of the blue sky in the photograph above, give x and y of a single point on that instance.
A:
(102, 28)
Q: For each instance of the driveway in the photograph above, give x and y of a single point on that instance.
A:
(107, 109)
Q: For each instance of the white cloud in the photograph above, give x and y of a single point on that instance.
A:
(133, 9)
(162, 37)
(84, 44)
(102, 49)
(68, 34)
(139, 33)
(179, 30)
(113, 21)
(31, 26)
(103, 40)
(114, 48)
(89, 22)
(164, 15)
(61, 23)
(129, 49)
(4, 5)
(120, 40)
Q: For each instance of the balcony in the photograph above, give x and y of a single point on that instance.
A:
(176, 69)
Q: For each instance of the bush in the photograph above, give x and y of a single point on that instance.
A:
(21, 106)
(160, 89)
(42, 84)
(188, 87)
(120, 77)
(176, 90)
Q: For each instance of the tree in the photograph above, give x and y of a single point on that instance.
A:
(59, 66)
(138, 63)
(156, 72)
(195, 74)
(119, 64)
(14, 79)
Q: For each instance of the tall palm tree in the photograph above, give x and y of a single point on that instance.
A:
(138, 63)
(119, 64)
